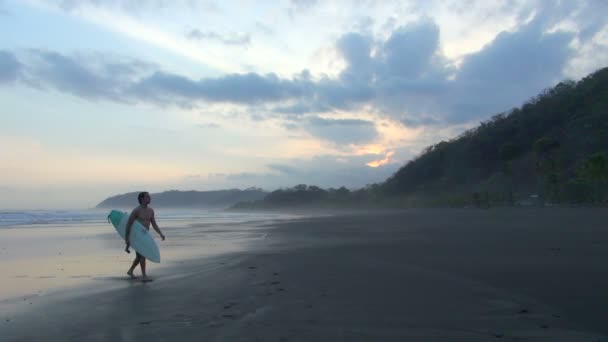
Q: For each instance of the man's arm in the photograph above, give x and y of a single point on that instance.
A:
(155, 226)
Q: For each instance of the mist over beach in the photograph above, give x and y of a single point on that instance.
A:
(303, 170)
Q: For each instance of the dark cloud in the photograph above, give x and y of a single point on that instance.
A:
(73, 77)
(235, 39)
(342, 131)
(9, 67)
(92, 78)
(356, 51)
(236, 88)
(509, 70)
(301, 108)
(410, 52)
(405, 77)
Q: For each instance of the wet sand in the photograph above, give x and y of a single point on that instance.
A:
(474, 275)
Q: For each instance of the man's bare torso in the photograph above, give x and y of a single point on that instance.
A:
(144, 216)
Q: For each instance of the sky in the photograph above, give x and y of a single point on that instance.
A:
(103, 97)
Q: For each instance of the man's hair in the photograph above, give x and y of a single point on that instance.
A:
(141, 195)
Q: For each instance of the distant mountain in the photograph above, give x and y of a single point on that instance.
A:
(187, 199)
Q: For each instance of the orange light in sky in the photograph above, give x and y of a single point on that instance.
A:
(380, 162)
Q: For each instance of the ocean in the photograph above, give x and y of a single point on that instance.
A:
(42, 251)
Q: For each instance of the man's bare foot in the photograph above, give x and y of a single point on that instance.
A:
(131, 275)
(127, 249)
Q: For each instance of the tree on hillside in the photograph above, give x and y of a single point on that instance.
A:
(595, 169)
(546, 167)
(508, 151)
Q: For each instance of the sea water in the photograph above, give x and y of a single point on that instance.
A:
(43, 251)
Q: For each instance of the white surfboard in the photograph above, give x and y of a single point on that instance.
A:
(140, 238)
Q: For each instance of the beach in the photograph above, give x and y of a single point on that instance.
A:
(521, 274)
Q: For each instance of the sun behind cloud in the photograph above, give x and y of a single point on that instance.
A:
(380, 162)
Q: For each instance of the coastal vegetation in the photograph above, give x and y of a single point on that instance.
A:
(552, 150)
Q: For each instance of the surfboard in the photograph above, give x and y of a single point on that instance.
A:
(140, 238)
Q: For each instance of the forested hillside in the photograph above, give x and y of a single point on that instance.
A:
(554, 147)
(551, 150)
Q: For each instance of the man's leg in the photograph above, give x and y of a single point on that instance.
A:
(137, 260)
(142, 264)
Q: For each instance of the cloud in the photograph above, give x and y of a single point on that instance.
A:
(9, 67)
(404, 76)
(324, 170)
(410, 52)
(284, 169)
(235, 39)
(342, 131)
(93, 77)
(300, 6)
(263, 28)
(383, 161)
(334, 171)
(592, 18)
(248, 88)
(137, 6)
(512, 68)
(209, 125)
(301, 108)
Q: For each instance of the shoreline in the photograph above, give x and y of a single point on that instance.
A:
(418, 274)
(41, 260)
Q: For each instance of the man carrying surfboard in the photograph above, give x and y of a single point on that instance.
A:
(145, 215)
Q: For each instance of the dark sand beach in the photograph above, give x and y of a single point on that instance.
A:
(416, 275)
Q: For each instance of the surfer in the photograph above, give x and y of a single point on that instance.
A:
(145, 215)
